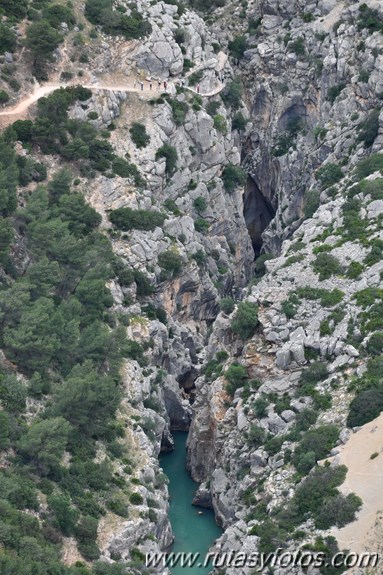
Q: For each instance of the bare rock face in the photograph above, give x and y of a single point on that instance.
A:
(304, 121)
(289, 101)
(202, 497)
(136, 530)
(162, 56)
(178, 410)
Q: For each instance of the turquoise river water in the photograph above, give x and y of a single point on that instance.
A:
(194, 533)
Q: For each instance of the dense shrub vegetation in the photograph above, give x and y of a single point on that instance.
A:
(245, 321)
(236, 375)
(239, 122)
(366, 406)
(200, 204)
(195, 77)
(311, 203)
(220, 124)
(368, 402)
(369, 165)
(7, 39)
(171, 263)
(369, 18)
(315, 445)
(316, 497)
(327, 298)
(115, 22)
(232, 94)
(326, 265)
(260, 267)
(58, 330)
(139, 135)
(212, 107)
(232, 177)
(42, 40)
(297, 46)
(128, 219)
(55, 133)
(179, 110)
(170, 154)
(238, 46)
(227, 305)
(201, 225)
(287, 139)
(202, 5)
(329, 174)
(57, 13)
(369, 128)
(312, 375)
(334, 91)
(319, 488)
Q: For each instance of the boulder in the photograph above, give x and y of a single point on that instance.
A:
(283, 358)
(202, 497)
(288, 415)
(275, 423)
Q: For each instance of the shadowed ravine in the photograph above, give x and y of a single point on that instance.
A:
(194, 532)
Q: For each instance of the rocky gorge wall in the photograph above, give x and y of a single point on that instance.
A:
(312, 86)
(295, 128)
(216, 259)
(182, 268)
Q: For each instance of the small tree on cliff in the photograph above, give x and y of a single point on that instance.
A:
(42, 40)
(245, 321)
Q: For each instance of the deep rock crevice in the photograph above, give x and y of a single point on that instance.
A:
(258, 213)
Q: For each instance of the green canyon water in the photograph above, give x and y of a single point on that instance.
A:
(194, 533)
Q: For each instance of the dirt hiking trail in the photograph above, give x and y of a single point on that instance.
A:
(147, 89)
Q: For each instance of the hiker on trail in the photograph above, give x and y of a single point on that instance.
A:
(159, 84)
(150, 86)
(198, 89)
(142, 86)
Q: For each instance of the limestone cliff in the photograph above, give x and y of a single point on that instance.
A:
(313, 92)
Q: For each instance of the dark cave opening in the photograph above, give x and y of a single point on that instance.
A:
(258, 213)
